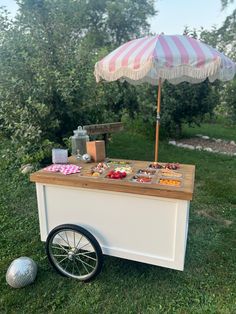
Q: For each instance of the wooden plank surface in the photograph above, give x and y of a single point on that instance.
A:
(94, 129)
(184, 192)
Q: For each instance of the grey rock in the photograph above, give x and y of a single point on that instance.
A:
(233, 143)
(26, 168)
(190, 147)
(172, 142)
(205, 137)
(208, 149)
(199, 147)
(218, 140)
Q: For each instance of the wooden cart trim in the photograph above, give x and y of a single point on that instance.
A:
(185, 192)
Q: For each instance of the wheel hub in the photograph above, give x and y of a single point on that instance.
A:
(71, 254)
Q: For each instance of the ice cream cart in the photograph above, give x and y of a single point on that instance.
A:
(141, 217)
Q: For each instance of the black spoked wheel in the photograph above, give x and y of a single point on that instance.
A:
(74, 252)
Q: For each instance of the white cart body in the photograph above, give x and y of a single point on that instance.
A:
(137, 227)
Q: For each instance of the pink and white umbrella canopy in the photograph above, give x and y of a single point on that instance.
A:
(174, 58)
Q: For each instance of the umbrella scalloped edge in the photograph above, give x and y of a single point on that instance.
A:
(150, 72)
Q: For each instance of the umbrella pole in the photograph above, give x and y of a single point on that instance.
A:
(158, 119)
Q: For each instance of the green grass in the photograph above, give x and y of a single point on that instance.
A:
(207, 284)
(217, 130)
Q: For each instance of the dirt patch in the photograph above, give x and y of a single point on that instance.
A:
(218, 219)
(220, 147)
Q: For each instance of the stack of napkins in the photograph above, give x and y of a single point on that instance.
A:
(65, 169)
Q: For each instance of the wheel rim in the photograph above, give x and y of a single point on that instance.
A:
(73, 254)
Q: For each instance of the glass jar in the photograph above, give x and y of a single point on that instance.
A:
(79, 140)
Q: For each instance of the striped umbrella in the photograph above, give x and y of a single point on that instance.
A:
(154, 59)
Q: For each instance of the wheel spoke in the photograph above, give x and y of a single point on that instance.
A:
(86, 263)
(83, 265)
(87, 252)
(77, 267)
(79, 242)
(74, 238)
(67, 239)
(67, 264)
(84, 245)
(62, 247)
(83, 254)
(60, 255)
(63, 239)
(59, 248)
(62, 260)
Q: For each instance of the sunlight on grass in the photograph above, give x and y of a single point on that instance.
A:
(221, 131)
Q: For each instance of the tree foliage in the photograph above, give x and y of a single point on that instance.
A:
(47, 56)
(224, 40)
(47, 86)
(187, 103)
(225, 3)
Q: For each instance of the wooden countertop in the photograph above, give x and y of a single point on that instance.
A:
(184, 192)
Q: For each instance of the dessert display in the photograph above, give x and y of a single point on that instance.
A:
(170, 182)
(126, 168)
(170, 173)
(165, 174)
(97, 170)
(141, 179)
(149, 172)
(90, 173)
(112, 174)
(172, 166)
(156, 165)
(117, 163)
(101, 167)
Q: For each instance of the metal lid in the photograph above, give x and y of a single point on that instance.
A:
(80, 132)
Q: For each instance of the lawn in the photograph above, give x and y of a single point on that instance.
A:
(217, 130)
(207, 284)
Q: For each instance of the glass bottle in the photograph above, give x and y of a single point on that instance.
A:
(79, 140)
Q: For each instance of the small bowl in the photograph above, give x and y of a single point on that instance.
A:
(142, 179)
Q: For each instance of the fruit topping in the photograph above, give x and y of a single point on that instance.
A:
(141, 179)
(170, 173)
(126, 169)
(172, 166)
(156, 165)
(96, 174)
(171, 182)
(116, 174)
(117, 163)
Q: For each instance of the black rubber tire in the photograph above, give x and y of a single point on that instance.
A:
(89, 236)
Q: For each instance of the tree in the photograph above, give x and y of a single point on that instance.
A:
(47, 57)
(225, 3)
(227, 42)
(187, 103)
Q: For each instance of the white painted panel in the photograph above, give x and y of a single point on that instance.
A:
(137, 227)
(42, 211)
(118, 220)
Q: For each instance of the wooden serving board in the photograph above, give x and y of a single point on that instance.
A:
(184, 192)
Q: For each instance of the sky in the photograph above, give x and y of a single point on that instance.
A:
(174, 15)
